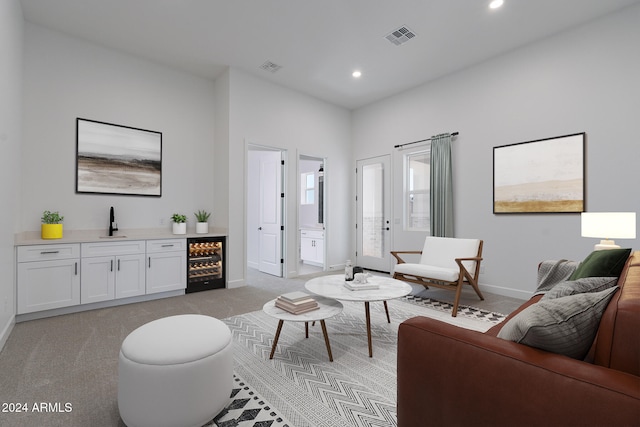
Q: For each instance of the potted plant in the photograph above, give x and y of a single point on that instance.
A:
(51, 225)
(202, 226)
(179, 223)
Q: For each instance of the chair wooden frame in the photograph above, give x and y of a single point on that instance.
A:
(464, 277)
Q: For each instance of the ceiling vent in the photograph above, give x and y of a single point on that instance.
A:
(270, 66)
(400, 36)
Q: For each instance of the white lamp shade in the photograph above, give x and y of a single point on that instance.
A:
(609, 225)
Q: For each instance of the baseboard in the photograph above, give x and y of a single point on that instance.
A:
(508, 292)
(96, 305)
(238, 283)
(337, 267)
(6, 331)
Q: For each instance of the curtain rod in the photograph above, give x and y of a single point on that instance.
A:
(422, 140)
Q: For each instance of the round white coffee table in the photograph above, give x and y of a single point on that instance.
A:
(327, 308)
(333, 287)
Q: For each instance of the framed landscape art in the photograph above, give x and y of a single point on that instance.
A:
(114, 159)
(542, 176)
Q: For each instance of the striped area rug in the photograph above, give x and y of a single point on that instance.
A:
(299, 387)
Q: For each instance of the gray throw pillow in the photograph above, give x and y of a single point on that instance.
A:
(565, 325)
(580, 286)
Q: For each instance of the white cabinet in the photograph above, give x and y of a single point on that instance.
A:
(166, 265)
(48, 277)
(112, 270)
(59, 277)
(312, 246)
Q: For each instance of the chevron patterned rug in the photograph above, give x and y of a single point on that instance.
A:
(300, 387)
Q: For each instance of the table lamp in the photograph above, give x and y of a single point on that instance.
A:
(608, 226)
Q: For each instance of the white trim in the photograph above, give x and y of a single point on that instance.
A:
(508, 292)
(6, 332)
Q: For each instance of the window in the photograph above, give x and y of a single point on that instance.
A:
(308, 188)
(416, 195)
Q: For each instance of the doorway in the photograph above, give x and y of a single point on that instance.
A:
(265, 203)
(311, 214)
(373, 213)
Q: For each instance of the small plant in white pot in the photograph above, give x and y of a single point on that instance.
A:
(179, 223)
(51, 225)
(202, 226)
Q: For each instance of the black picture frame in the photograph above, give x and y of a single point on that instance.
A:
(117, 160)
(541, 176)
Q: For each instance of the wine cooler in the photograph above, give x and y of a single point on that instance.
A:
(205, 269)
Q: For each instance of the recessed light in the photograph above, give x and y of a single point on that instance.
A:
(356, 74)
(496, 4)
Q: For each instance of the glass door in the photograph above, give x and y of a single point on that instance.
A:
(373, 213)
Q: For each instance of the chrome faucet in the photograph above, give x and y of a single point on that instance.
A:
(112, 218)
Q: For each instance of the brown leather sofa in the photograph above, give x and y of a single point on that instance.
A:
(451, 376)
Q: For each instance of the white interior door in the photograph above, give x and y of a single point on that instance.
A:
(270, 217)
(374, 213)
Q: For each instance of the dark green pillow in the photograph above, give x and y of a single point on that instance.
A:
(605, 263)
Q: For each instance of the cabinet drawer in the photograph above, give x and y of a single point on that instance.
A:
(48, 252)
(166, 245)
(124, 247)
(312, 234)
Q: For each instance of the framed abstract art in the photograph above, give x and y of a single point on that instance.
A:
(114, 159)
(542, 176)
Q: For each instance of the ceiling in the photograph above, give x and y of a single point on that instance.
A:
(317, 43)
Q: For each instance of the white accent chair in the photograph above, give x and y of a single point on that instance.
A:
(445, 263)
(175, 372)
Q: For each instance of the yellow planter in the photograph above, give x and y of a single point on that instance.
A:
(52, 231)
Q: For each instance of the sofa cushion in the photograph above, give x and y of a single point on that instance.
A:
(580, 286)
(442, 252)
(432, 272)
(565, 325)
(606, 263)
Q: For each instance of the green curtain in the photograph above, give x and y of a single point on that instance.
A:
(441, 199)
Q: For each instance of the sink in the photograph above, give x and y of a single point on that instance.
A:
(113, 237)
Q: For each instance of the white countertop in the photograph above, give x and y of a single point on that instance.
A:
(84, 236)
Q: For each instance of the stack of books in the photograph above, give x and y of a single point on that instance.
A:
(352, 286)
(296, 302)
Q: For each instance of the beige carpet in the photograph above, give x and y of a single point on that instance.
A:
(72, 359)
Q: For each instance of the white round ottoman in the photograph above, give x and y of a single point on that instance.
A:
(176, 371)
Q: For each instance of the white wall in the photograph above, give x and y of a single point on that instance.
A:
(67, 78)
(269, 115)
(582, 80)
(11, 45)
